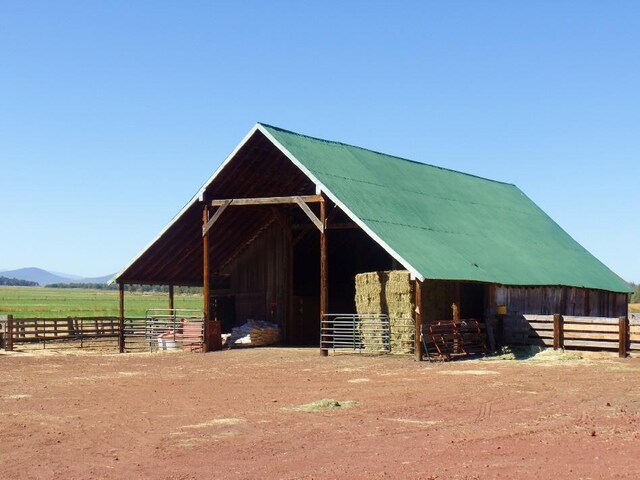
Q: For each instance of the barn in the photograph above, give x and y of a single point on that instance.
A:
(281, 229)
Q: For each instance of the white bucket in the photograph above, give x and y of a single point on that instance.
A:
(167, 342)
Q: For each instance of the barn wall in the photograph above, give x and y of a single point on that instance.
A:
(437, 298)
(259, 278)
(551, 300)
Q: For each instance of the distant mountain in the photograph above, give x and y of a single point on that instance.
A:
(102, 279)
(33, 274)
(66, 275)
(43, 277)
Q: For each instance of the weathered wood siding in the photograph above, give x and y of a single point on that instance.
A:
(259, 278)
(562, 300)
(437, 298)
(570, 301)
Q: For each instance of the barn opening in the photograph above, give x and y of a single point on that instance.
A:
(277, 277)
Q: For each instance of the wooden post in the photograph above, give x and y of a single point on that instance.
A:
(455, 313)
(290, 329)
(324, 295)
(8, 346)
(558, 331)
(418, 318)
(206, 285)
(121, 318)
(623, 323)
(171, 306)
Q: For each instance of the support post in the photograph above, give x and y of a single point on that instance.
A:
(8, 345)
(121, 318)
(206, 286)
(624, 339)
(418, 318)
(558, 332)
(324, 296)
(171, 306)
(289, 335)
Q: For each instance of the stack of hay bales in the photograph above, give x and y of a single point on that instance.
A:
(368, 301)
(255, 334)
(387, 293)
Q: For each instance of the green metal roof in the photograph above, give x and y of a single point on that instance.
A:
(443, 224)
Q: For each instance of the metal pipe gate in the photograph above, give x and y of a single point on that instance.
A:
(367, 333)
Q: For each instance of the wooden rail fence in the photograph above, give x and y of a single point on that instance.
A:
(42, 330)
(158, 331)
(597, 333)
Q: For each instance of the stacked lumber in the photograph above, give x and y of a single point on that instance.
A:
(255, 333)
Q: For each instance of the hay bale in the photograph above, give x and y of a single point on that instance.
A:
(388, 293)
(368, 293)
(372, 334)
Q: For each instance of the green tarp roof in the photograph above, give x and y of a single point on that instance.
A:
(443, 224)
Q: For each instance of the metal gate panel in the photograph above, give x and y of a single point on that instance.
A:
(166, 329)
(367, 333)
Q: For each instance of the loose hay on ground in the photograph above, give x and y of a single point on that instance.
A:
(532, 353)
(322, 405)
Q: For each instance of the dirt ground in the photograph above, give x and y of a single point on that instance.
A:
(233, 415)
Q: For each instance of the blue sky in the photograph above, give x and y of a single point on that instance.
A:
(112, 114)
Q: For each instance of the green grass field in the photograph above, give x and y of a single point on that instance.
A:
(41, 302)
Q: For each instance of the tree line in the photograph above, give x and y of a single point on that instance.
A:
(129, 288)
(16, 282)
(635, 296)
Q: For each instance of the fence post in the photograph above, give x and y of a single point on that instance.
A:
(8, 346)
(121, 340)
(624, 338)
(558, 332)
(418, 320)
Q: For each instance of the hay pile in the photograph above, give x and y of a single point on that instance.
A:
(388, 293)
(255, 334)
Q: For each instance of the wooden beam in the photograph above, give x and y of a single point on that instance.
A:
(207, 226)
(235, 202)
(121, 318)
(171, 306)
(206, 283)
(312, 216)
(418, 319)
(300, 236)
(330, 226)
(324, 294)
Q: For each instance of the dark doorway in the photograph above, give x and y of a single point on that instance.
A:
(224, 310)
(472, 298)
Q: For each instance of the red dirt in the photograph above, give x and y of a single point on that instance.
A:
(225, 415)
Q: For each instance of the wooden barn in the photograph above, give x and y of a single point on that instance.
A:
(281, 229)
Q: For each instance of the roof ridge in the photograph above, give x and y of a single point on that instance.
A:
(335, 142)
